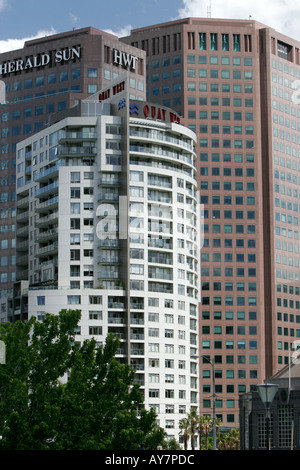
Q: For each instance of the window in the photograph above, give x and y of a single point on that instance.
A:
(214, 41)
(95, 300)
(63, 76)
(52, 78)
(41, 300)
(92, 72)
(75, 207)
(74, 255)
(75, 193)
(92, 89)
(74, 299)
(202, 41)
(75, 224)
(236, 42)
(225, 42)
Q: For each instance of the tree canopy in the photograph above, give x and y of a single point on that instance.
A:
(58, 394)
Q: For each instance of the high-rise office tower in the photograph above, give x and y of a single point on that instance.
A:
(51, 74)
(235, 83)
(108, 223)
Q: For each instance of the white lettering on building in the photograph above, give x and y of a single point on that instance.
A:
(125, 59)
(39, 60)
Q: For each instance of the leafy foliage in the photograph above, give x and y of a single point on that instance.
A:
(57, 394)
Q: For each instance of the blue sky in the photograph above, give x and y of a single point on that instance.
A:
(25, 19)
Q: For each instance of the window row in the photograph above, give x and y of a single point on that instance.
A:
(288, 289)
(228, 243)
(229, 330)
(225, 115)
(227, 214)
(286, 68)
(227, 185)
(7, 277)
(223, 60)
(227, 157)
(216, 41)
(238, 172)
(228, 228)
(228, 315)
(288, 303)
(228, 257)
(224, 74)
(286, 218)
(230, 344)
(227, 272)
(50, 79)
(229, 300)
(226, 143)
(285, 274)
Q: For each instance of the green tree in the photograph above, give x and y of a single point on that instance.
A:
(184, 427)
(206, 428)
(57, 394)
(193, 420)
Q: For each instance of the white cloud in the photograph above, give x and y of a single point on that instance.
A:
(124, 31)
(74, 19)
(282, 15)
(13, 44)
(3, 4)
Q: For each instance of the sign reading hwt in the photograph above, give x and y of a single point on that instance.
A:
(123, 58)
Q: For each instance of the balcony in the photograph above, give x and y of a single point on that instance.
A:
(22, 232)
(163, 243)
(47, 189)
(108, 243)
(108, 180)
(108, 260)
(23, 203)
(44, 236)
(116, 304)
(47, 220)
(48, 205)
(105, 196)
(47, 250)
(137, 319)
(137, 351)
(77, 136)
(22, 260)
(116, 320)
(137, 364)
(137, 336)
(44, 174)
(23, 216)
(108, 275)
(22, 246)
(77, 151)
(137, 305)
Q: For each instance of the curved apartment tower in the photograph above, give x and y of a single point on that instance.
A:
(108, 222)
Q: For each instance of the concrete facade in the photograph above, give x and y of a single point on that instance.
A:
(107, 222)
(235, 83)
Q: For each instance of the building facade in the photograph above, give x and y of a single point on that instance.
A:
(108, 223)
(48, 75)
(235, 83)
(275, 427)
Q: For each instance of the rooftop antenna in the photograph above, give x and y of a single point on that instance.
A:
(209, 10)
